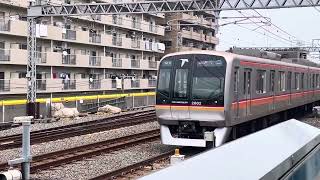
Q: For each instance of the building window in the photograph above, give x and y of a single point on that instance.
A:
(23, 46)
(22, 75)
(261, 83)
(296, 81)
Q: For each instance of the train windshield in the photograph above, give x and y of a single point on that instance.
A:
(186, 78)
(208, 77)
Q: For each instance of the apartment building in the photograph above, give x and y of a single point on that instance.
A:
(190, 31)
(80, 54)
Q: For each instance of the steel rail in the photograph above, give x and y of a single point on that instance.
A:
(128, 169)
(57, 158)
(81, 129)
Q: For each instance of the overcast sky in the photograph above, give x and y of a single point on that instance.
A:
(300, 23)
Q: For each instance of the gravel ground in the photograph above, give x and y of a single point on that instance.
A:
(312, 121)
(99, 165)
(40, 126)
(77, 141)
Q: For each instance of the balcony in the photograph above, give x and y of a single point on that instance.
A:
(135, 63)
(95, 38)
(152, 82)
(153, 28)
(41, 57)
(41, 84)
(116, 20)
(94, 61)
(135, 43)
(135, 83)
(69, 59)
(116, 62)
(4, 55)
(152, 64)
(95, 84)
(113, 84)
(4, 85)
(136, 25)
(4, 26)
(70, 34)
(116, 41)
(69, 84)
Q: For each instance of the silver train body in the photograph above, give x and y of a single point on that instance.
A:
(201, 95)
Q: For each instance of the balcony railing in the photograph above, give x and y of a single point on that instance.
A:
(116, 62)
(69, 59)
(69, 84)
(4, 85)
(4, 55)
(116, 41)
(117, 20)
(41, 57)
(113, 83)
(152, 64)
(95, 84)
(136, 25)
(153, 28)
(95, 61)
(41, 84)
(135, 83)
(135, 63)
(4, 26)
(135, 43)
(94, 38)
(152, 82)
(70, 34)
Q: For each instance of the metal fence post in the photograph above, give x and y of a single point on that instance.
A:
(26, 149)
(132, 101)
(147, 100)
(3, 111)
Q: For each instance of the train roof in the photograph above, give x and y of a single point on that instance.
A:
(230, 57)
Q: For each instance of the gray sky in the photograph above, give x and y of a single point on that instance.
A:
(303, 23)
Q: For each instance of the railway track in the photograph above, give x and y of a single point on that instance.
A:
(14, 141)
(133, 167)
(57, 158)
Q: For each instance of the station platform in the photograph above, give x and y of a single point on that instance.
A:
(289, 150)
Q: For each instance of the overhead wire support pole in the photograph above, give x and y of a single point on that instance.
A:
(31, 67)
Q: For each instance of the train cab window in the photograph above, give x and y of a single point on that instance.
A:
(296, 81)
(282, 81)
(165, 76)
(209, 78)
(261, 82)
(181, 78)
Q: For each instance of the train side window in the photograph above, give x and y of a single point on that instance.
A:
(317, 80)
(313, 81)
(282, 81)
(236, 79)
(261, 82)
(296, 81)
(244, 82)
(289, 80)
(272, 77)
(302, 81)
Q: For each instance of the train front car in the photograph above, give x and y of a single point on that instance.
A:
(190, 99)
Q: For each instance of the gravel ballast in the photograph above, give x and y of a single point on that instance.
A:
(64, 122)
(61, 144)
(99, 165)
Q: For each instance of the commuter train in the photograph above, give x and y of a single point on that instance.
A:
(204, 96)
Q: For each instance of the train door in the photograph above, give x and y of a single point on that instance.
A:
(247, 90)
(236, 92)
(289, 88)
(272, 89)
